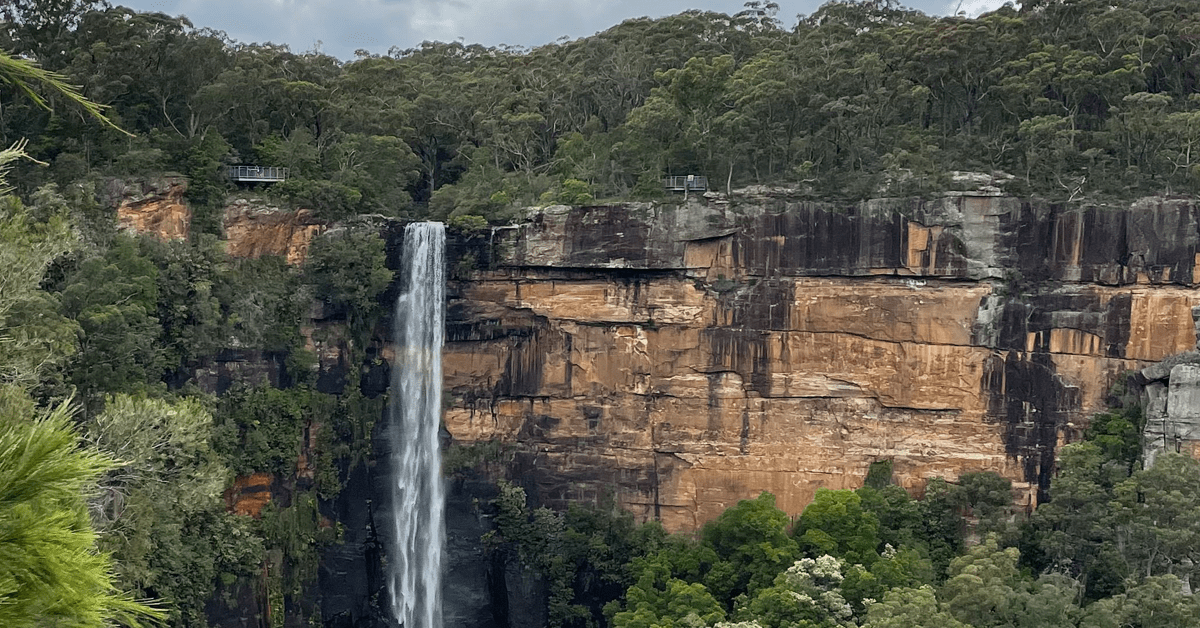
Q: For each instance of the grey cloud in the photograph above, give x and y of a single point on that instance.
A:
(972, 8)
(342, 26)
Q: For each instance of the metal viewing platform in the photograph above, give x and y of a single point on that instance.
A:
(686, 183)
(268, 174)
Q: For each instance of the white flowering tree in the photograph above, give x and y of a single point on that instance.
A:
(806, 595)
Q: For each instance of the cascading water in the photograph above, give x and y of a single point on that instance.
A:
(418, 504)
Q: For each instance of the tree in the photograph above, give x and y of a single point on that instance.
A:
(986, 589)
(259, 430)
(806, 594)
(50, 570)
(989, 497)
(1158, 602)
(660, 601)
(1183, 150)
(896, 568)
(910, 608)
(1054, 603)
(1157, 519)
(899, 515)
(188, 311)
(381, 167)
(942, 525)
(265, 300)
(33, 336)
(30, 80)
(348, 270)
(160, 511)
(587, 556)
(752, 547)
(148, 66)
(43, 25)
(676, 128)
(114, 299)
(1118, 435)
(835, 523)
(163, 451)
(601, 543)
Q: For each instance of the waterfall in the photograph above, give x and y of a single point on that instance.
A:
(418, 504)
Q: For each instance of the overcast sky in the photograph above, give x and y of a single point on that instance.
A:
(343, 26)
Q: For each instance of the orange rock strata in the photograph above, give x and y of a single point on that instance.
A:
(159, 210)
(249, 494)
(694, 417)
(254, 231)
(683, 364)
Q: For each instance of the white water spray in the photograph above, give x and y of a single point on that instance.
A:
(418, 503)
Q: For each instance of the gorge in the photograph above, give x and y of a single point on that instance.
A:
(862, 319)
(677, 357)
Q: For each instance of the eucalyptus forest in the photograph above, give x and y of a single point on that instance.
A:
(115, 463)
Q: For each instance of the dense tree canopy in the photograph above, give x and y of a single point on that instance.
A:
(1073, 98)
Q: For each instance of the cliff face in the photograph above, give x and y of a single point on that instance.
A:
(686, 357)
(255, 230)
(251, 228)
(1171, 403)
(155, 207)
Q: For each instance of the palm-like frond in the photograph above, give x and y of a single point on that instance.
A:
(50, 570)
(24, 75)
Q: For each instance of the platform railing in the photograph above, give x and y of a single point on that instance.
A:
(257, 173)
(686, 183)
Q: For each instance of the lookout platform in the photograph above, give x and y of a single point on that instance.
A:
(686, 183)
(257, 174)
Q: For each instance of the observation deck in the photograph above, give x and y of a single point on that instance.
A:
(256, 174)
(686, 183)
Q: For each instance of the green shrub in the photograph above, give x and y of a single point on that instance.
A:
(260, 429)
(348, 270)
(467, 224)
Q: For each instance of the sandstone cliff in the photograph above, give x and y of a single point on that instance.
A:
(1171, 403)
(154, 206)
(253, 229)
(688, 356)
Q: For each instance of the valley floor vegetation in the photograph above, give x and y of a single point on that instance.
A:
(116, 463)
(1114, 547)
